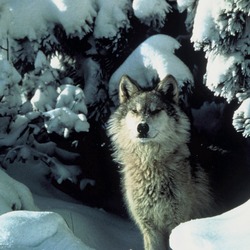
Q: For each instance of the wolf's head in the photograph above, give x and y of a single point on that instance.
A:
(148, 116)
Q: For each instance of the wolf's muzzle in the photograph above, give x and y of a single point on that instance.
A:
(143, 129)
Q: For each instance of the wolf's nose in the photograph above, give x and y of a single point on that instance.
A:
(143, 129)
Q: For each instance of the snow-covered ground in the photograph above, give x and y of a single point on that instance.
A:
(228, 231)
(61, 223)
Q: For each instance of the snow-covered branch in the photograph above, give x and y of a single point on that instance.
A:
(221, 29)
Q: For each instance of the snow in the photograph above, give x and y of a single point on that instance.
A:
(152, 12)
(221, 29)
(210, 24)
(37, 230)
(221, 69)
(184, 4)
(62, 223)
(16, 18)
(204, 29)
(112, 17)
(152, 59)
(9, 91)
(72, 97)
(226, 231)
(241, 118)
(14, 194)
(63, 121)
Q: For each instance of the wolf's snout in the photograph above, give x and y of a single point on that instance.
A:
(142, 129)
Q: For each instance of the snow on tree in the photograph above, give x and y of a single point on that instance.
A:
(35, 97)
(151, 13)
(150, 62)
(51, 68)
(221, 29)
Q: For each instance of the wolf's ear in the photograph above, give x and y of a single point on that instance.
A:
(169, 88)
(127, 88)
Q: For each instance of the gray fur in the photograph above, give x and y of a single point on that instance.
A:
(159, 188)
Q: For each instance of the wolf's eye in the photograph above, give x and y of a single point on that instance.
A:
(134, 111)
(156, 111)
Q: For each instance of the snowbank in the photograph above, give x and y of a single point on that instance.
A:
(14, 195)
(229, 231)
(37, 230)
(85, 227)
(95, 227)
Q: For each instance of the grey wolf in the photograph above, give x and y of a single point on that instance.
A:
(150, 134)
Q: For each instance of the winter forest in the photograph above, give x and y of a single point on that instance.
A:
(60, 66)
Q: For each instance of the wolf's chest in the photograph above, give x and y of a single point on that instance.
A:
(149, 184)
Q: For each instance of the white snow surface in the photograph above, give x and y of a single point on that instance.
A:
(62, 223)
(229, 231)
(37, 230)
(152, 59)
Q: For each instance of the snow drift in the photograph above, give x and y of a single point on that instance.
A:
(227, 231)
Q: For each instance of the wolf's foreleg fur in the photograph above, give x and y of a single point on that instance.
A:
(155, 240)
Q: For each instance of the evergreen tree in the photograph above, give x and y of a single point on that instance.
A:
(222, 30)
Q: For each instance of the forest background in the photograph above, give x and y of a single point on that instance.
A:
(58, 60)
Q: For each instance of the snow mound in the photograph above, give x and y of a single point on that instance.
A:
(152, 59)
(96, 228)
(227, 231)
(14, 195)
(37, 230)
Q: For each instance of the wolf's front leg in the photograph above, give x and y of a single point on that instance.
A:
(155, 241)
